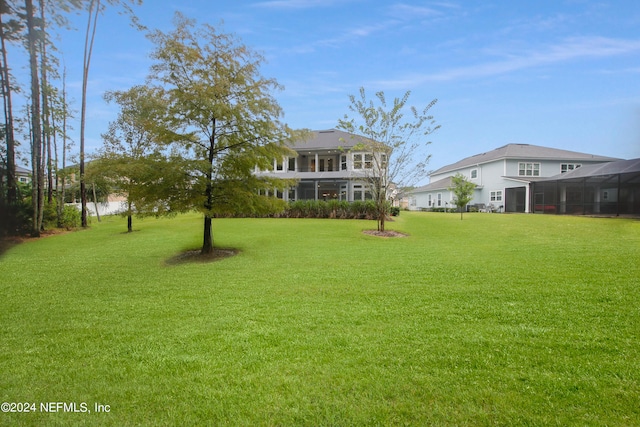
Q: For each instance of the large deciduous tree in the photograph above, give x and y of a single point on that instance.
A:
(224, 119)
(394, 145)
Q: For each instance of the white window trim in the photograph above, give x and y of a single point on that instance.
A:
(569, 167)
(526, 168)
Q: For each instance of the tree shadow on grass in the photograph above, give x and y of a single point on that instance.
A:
(194, 256)
(6, 244)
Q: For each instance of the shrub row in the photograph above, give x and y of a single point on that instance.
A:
(330, 209)
(334, 209)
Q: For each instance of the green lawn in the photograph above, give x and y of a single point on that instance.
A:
(494, 320)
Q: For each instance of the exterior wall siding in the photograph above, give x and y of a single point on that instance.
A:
(494, 179)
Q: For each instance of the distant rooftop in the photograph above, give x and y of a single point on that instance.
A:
(523, 151)
(442, 184)
(327, 139)
(601, 169)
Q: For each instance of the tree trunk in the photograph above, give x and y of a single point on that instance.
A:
(207, 241)
(12, 192)
(64, 139)
(129, 223)
(46, 125)
(38, 191)
(88, 47)
(95, 200)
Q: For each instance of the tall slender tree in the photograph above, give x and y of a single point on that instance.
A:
(14, 27)
(46, 93)
(95, 7)
(36, 129)
(92, 22)
(395, 144)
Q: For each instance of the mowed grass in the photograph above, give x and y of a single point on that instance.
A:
(494, 320)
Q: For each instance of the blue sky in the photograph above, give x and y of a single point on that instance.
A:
(560, 73)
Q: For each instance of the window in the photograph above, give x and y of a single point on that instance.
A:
(529, 169)
(343, 162)
(496, 196)
(279, 165)
(429, 200)
(357, 161)
(292, 164)
(361, 160)
(566, 167)
(439, 199)
(368, 161)
(383, 160)
(357, 192)
(474, 173)
(605, 195)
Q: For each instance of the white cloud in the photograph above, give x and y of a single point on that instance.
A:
(295, 4)
(576, 48)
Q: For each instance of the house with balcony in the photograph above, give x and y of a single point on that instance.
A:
(504, 177)
(330, 165)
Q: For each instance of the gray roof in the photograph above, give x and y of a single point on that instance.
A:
(19, 170)
(326, 140)
(601, 169)
(442, 184)
(524, 152)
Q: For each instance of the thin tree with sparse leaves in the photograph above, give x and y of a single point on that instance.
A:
(462, 190)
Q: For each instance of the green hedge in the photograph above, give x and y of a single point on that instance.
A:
(330, 209)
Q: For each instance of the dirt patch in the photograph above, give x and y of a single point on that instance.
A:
(387, 234)
(194, 256)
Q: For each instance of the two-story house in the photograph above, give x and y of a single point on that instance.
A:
(503, 176)
(331, 164)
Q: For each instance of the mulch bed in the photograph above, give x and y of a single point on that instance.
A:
(387, 234)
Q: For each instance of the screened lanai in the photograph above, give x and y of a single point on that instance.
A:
(611, 188)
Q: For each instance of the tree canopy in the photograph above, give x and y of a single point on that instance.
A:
(221, 118)
(462, 191)
(396, 143)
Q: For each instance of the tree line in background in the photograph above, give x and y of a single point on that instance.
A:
(37, 113)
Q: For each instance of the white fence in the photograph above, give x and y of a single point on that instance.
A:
(107, 208)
